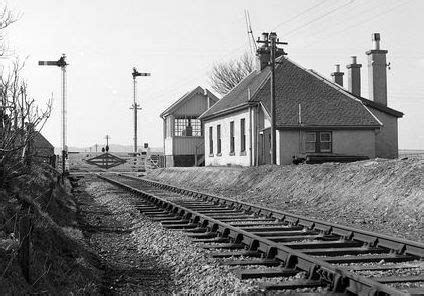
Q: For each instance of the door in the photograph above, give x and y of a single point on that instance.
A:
(266, 147)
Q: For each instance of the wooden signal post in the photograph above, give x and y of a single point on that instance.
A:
(135, 105)
(62, 64)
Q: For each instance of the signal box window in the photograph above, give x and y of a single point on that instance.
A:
(188, 127)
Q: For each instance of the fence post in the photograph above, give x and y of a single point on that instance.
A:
(24, 240)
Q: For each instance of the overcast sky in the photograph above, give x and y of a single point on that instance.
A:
(178, 42)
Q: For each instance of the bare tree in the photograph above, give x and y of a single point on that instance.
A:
(20, 119)
(7, 17)
(225, 76)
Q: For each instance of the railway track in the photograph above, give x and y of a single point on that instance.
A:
(264, 243)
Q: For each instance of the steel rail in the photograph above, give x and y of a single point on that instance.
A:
(400, 246)
(338, 279)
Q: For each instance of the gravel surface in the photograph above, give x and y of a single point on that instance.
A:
(140, 256)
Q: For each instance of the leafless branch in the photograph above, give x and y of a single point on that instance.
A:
(225, 76)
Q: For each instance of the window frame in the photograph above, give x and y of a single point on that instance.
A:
(211, 141)
(243, 135)
(232, 139)
(218, 140)
(318, 142)
(181, 126)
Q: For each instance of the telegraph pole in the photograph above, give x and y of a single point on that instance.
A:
(274, 53)
(135, 105)
(62, 64)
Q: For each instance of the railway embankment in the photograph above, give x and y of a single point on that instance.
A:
(385, 196)
(41, 248)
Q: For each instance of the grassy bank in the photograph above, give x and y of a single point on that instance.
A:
(380, 195)
(56, 249)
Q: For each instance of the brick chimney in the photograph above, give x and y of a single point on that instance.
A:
(338, 76)
(377, 73)
(354, 77)
(263, 53)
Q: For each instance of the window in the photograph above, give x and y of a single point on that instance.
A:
(325, 141)
(232, 137)
(210, 140)
(310, 142)
(318, 142)
(218, 139)
(188, 127)
(242, 135)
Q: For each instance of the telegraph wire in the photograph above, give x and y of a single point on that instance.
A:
(318, 18)
(360, 23)
(299, 14)
(353, 12)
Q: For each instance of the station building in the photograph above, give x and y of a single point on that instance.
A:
(315, 117)
(182, 130)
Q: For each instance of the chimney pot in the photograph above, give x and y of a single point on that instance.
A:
(338, 76)
(354, 77)
(376, 40)
(377, 73)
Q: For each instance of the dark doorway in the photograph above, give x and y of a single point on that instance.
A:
(266, 147)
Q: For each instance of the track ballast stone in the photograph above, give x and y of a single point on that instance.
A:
(186, 268)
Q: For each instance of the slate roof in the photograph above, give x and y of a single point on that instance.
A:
(239, 95)
(42, 145)
(188, 95)
(322, 102)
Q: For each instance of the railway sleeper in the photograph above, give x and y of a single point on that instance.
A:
(415, 291)
(260, 224)
(227, 246)
(197, 230)
(344, 251)
(266, 273)
(269, 234)
(381, 267)
(153, 213)
(202, 235)
(180, 226)
(323, 244)
(212, 240)
(399, 279)
(244, 253)
(247, 221)
(253, 262)
(165, 217)
(285, 239)
(292, 285)
(368, 258)
(175, 222)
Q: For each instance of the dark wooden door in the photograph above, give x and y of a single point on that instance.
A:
(266, 146)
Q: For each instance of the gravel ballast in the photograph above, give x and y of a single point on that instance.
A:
(144, 257)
